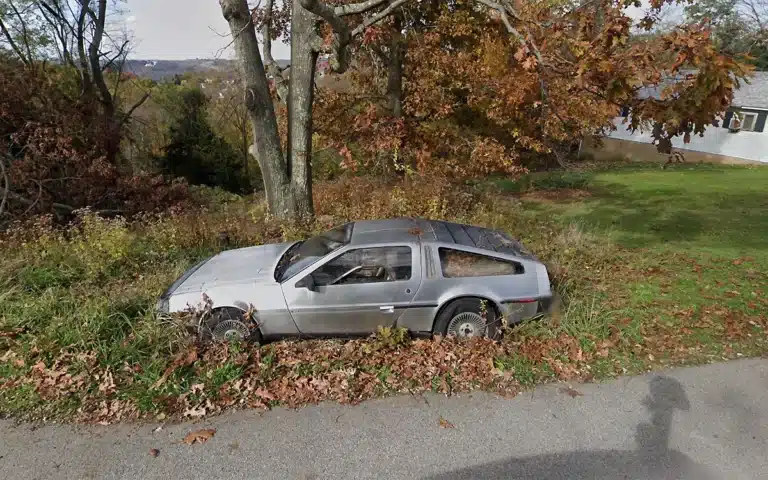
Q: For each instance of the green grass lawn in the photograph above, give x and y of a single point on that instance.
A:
(693, 267)
(721, 211)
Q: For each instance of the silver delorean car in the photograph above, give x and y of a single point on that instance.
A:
(428, 276)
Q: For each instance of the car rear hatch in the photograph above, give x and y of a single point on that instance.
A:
(479, 237)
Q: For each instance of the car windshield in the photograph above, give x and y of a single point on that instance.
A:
(305, 253)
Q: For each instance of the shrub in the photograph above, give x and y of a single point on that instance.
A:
(358, 198)
(56, 146)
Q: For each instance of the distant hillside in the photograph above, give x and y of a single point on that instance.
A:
(165, 69)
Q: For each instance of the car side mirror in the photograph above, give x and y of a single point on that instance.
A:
(307, 282)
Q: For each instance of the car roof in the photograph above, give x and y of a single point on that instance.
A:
(386, 231)
(421, 230)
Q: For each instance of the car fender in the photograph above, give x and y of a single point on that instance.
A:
(269, 309)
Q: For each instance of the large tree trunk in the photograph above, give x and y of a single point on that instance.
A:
(395, 69)
(301, 97)
(393, 59)
(261, 111)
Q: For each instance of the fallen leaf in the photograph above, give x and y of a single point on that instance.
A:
(445, 423)
(573, 393)
(264, 393)
(154, 452)
(200, 436)
(182, 360)
(195, 412)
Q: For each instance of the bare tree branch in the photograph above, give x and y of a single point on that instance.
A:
(231, 42)
(24, 32)
(39, 196)
(327, 13)
(378, 17)
(758, 12)
(25, 201)
(272, 68)
(111, 61)
(59, 27)
(12, 43)
(136, 105)
(355, 8)
(503, 10)
(94, 49)
(339, 60)
(342, 35)
(85, 76)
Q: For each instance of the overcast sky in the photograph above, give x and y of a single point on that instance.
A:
(181, 29)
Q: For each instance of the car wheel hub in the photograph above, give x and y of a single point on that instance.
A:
(467, 324)
(230, 331)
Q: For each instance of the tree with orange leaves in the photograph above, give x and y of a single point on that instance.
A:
(485, 84)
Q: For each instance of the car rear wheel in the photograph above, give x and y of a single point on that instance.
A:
(468, 317)
(231, 325)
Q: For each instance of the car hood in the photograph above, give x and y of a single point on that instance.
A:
(242, 265)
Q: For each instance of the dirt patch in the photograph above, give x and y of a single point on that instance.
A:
(558, 195)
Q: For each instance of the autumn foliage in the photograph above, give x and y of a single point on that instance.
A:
(497, 91)
(52, 146)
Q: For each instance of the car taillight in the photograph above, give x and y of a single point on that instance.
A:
(526, 300)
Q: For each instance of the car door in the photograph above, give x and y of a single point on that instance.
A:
(355, 292)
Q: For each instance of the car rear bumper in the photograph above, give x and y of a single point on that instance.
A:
(545, 304)
(520, 310)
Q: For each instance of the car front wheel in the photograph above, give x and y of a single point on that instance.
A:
(468, 317)
(230, 325)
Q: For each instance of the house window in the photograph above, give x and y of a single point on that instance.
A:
(457, 263)
(743, 121)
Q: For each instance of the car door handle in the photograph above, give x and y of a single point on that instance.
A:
(387, 309)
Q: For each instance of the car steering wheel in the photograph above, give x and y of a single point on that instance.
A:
(390, 273)
(346, 274)
(381, 269)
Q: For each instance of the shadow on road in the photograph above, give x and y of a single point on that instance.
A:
(652, 459)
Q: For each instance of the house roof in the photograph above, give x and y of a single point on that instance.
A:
(753, 94)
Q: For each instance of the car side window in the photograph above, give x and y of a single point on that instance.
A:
(457, 263)
(366, 265)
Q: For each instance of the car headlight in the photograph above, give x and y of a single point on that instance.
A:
(163, 305)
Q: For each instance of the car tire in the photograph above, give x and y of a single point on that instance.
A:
(468, 310)
(230, 324)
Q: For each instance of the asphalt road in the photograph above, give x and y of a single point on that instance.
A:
(697, 423)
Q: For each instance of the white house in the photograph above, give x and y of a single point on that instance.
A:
(741, 137)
